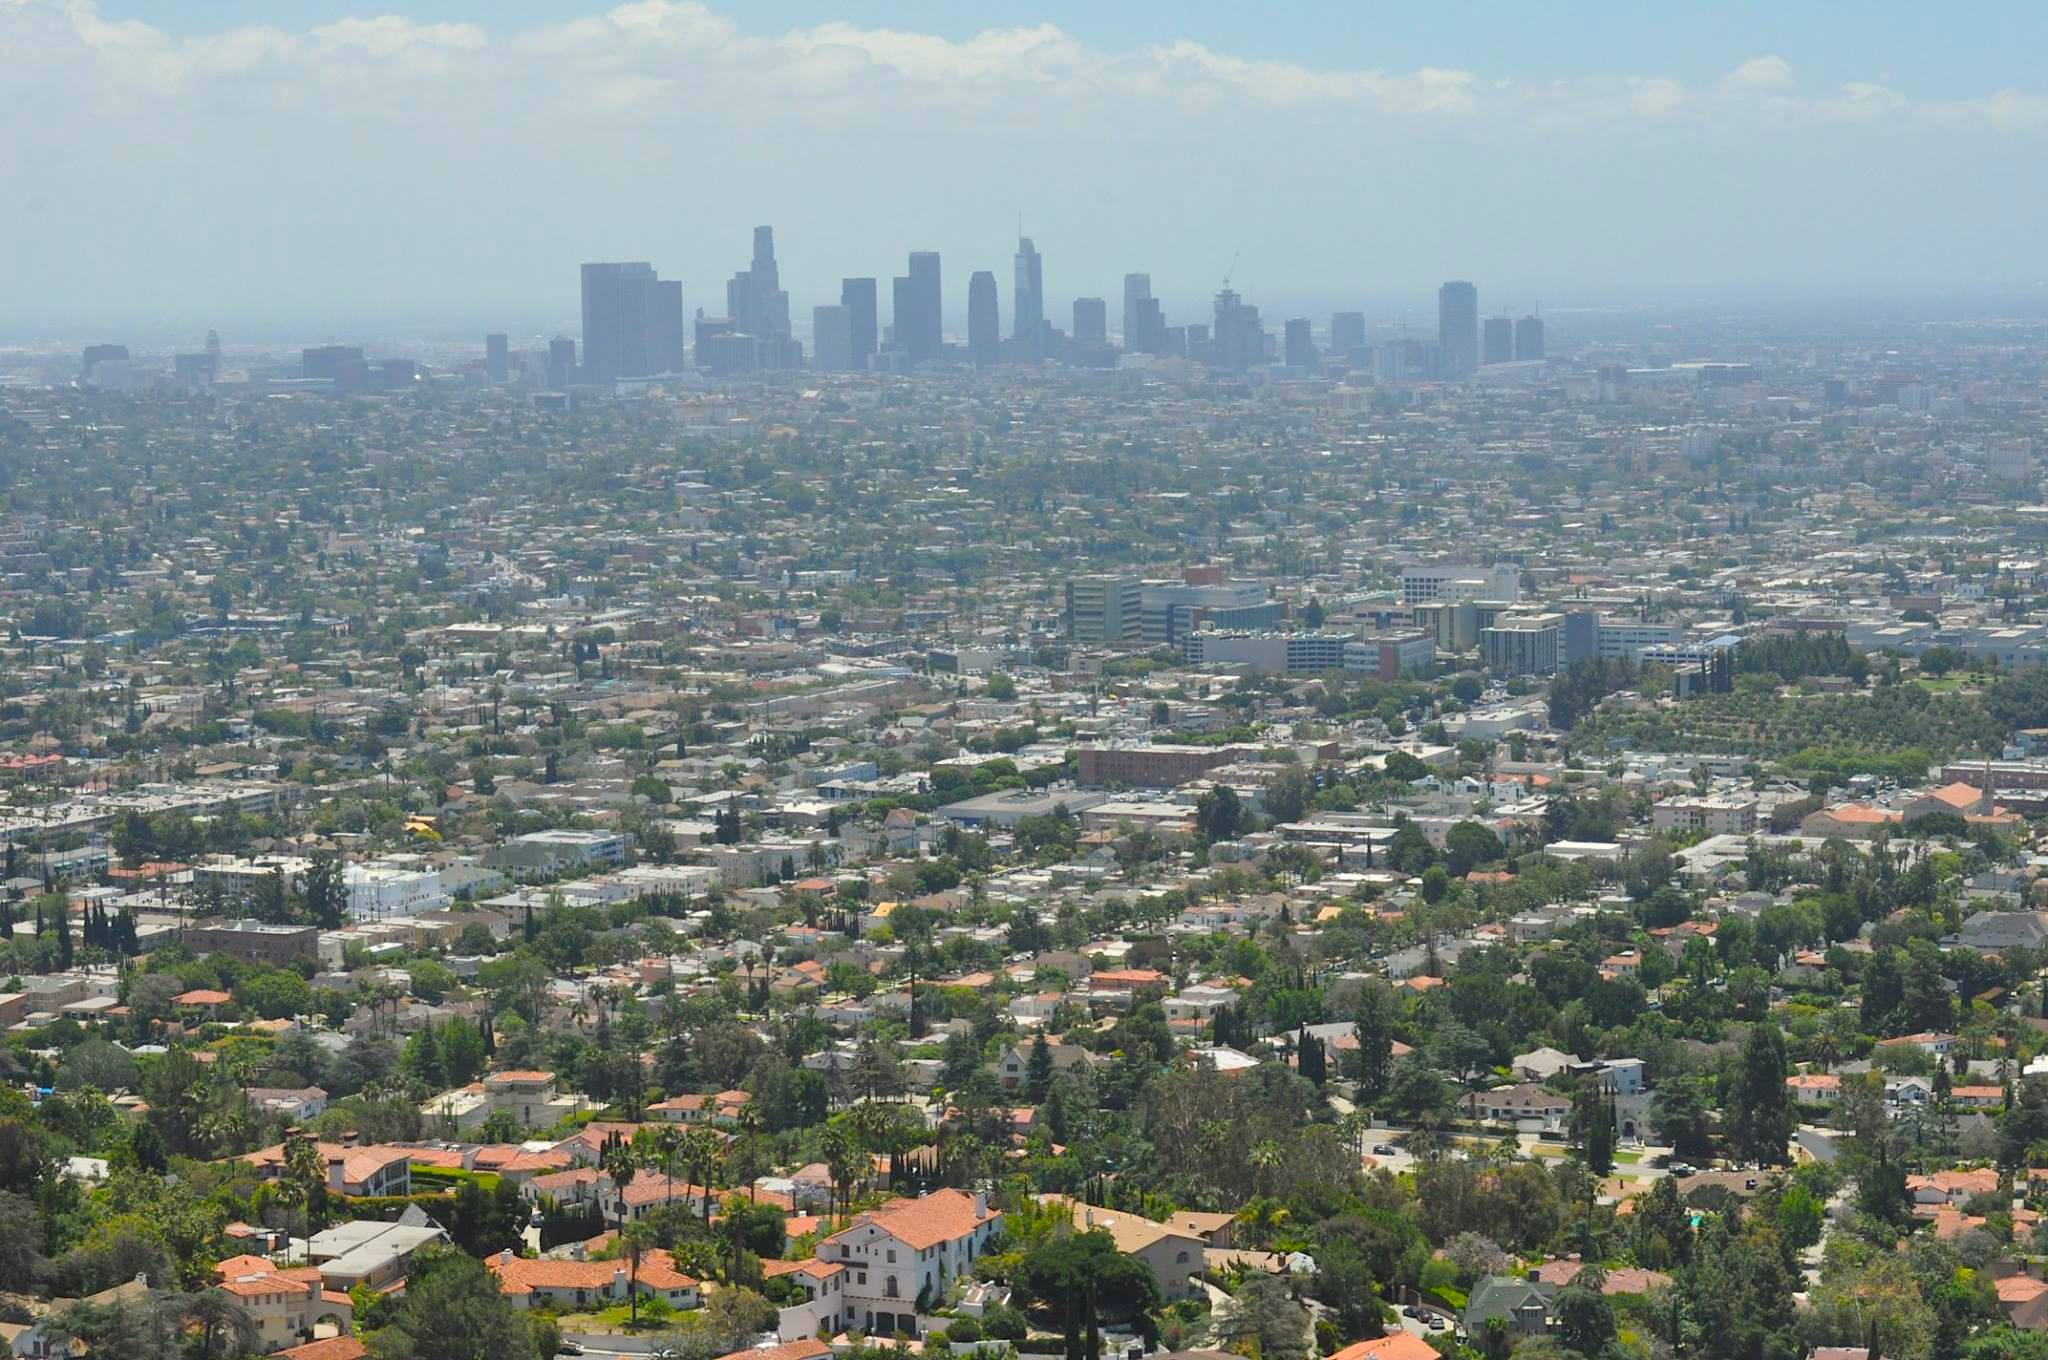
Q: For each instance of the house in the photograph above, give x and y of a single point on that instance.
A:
(296, 1105)
(333, 1348)
(286, 1305)
(1814, 1088)
(823, 1284)
(1541, 1064)
(1524, 1304)
(724, 1108)
(1560, 1273)
(1172, 1255)
(1399, 1346)
(1850, 821)
(1013, 1068)
(906, 1250)
(574, 1286)
(342, 1347)
(1216, 1230)
(367, 1252)
(804, 1348)
(358, 1169)
(1994, 932)
(1526, 1101)
(1954, 1188)
(1934, 1045)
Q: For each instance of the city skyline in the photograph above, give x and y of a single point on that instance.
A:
(429, 169)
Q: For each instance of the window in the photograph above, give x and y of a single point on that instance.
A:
(889, 1290)
(892, 1256)
(1181, 1259)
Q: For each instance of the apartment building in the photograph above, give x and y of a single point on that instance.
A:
(1720, 815)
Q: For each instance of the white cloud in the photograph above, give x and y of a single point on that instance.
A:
(1761, 73)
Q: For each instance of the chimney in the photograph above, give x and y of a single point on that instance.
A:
(618, 1283)
(350, 1138)
(981, 1204)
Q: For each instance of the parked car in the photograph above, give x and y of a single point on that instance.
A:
(1384, 1149)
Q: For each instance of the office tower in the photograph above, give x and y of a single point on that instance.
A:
(1457, 328)
(1104, 609)
(984, 326)
(1239, 340)
(1028, 325)
(1144, 324)
(858, 297)
(561, 362)
(919, 331)
(95, 354)
(1497, 341)
(632, 322)
(1347, 334)
(1529, 338)
(1301, 347)
(832, 338)
(902, 324)
(758, 306)
(497, 357)
(338, 364)
(1091, 321)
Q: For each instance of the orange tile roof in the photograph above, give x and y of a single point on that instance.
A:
(517, 1275)
(810, 1348)
(942, 1216)
(1399, 1346)
(333, 1348)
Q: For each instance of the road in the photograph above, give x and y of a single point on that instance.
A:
(1818, 1142)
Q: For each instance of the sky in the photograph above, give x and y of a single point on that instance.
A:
(329, 167)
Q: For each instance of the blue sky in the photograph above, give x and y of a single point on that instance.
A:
(1948, 49)
(329, 165)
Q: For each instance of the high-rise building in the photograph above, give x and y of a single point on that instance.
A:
(1028, 322)
(858, 297)
(1239, 340)
(754, 297)
(832, 338)
(1497, 341)
(497, 357)
(1301, 346)
(97, 354)
(902, 314)
(1104, 609)
(1457, 328)
(927, 334)
(1144, 323)
(1347, 335)
(342, 365)
(1529, 338)
(984, 325)
(1091, 321)
(632, 322)
(561, 362)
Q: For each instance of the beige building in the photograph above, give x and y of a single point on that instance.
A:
(1174, 1255)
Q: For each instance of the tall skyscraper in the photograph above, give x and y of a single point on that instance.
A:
(1497, 341)
(984, 326)
(1457, 328)
(1347, 334)
(1091, 321)
(1529, 338)
(1301, 347)
(1240, 339)
(832, 338)
(632, 322)
(1144, 325)
(857, 296)
(754, 298)
(561, 362)
(1029, 322)
(921, 339)
(497, 357)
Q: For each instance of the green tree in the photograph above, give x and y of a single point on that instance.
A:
(1758, 1111)
(453, 1309)
(1080, 1279)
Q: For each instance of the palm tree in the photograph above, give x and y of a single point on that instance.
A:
(305, 1175)
(1266, 1157)
(668, 1140)
(619, 1164)
(633, 1241)
(701, 1152)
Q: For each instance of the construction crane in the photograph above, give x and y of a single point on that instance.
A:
(1232, 268)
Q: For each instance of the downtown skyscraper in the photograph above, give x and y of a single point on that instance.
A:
(984, 324)
(632, 322)
(863, 319)
(920, 330)
(1144, 323)
(1028, 323)
(1457, 329)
